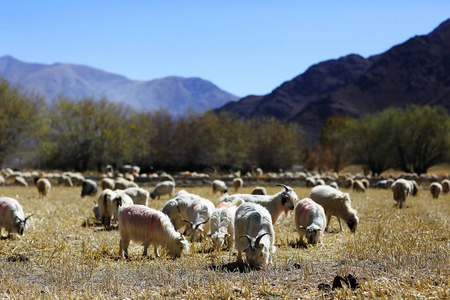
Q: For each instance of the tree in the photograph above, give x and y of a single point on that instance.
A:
(333, 143)
(21, 122)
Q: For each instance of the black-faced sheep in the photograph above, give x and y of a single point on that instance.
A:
(335, 203)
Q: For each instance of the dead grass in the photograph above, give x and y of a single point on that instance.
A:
(396, 254)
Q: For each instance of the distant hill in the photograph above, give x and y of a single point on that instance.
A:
(415, 72)
(174, 94)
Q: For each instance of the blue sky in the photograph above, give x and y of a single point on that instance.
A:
(244, 47)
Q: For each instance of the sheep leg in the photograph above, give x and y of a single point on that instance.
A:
(145, 251)
(340, 224)
(328, 222)
(156, 251)
(124, 248)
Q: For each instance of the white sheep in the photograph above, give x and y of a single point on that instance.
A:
(310, 182)
(348, 182)
(254, 235)
(43, 185)
(107, 205)
(222, 224)
(259, 190)
(445, 185)
(163, 188)
(335, 203)
(122, 184)
(12, 216)
(435, 189)
(275, 204)
(402, 188)
(176, 208)
(19, 180)
(219, 186)
(198, 214)
(148, 226)
(107, 183)
(358, 186)
(237, 184)
(88, 188)
(138, 195)
(310, 221)
(334, 184)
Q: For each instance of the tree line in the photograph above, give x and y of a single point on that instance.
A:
(87, 134)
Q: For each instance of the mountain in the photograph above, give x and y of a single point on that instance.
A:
(174, 94)
(414, 72)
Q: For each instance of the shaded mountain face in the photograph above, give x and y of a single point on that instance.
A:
(174, 94)
(415, 72)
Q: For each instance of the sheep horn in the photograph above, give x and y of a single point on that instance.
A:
(27, 217)
(288, 189)
(249, 239)
(201, 223)
(258, 239)
(187, 221)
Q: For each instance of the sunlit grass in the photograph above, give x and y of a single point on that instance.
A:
(395, 253)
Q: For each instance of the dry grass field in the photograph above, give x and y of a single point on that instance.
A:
(395, 254)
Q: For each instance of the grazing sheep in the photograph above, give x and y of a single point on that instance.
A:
(107, 205)
(275, 204)
(77, 178)
(358, 186)
(445, 185)
(389, 183)
(12, 217)
(222, 224)
(348, 182)
(107, 183)
(198, 214)
(334, 184)
(435, 189)
(148, 226)
(402, 188)
(138, 195)
(320, 181)
(365, 182)
(65, 181)
(415, 187)
(310, 221)
(219, 186)
(43, 185)
(123, 184)
(335, 203)
(254, 235)
(88, 188)
(163, 188)
(237, 184)
(259, 190)
(165, 176)
(19, 180)
(176, 208)
(310, 182)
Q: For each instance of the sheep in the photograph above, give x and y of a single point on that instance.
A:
(365, 182)
(254, 235)
(415, 187)
(139, 195)
(335, 203)
(348, 182)
(77, 178)
(165, 176)
(107, 205)
(445, 185)
(222, 224)
(123, 184)
(175, 208)
(43, 185)
(310, 221)
(259, 190)
(198, 214)
(13, 218)
(88, 188)
(358, 186)
(237, 184)
(320, 181)
(276, 204)
(219, 186)
(65, 181)
(334, 184)
(401, 188)
(96, 211)
(107, 183)
(310, 182)
(163, 188)
(19, 180)
(435, 189)
(389, 183)
(148, 226)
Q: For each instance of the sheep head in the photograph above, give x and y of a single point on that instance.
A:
(288, 198)
(219, 239)
(21, 225)
(257, 252)
(179, 246)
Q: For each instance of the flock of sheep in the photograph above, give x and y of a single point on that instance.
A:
(244, 222)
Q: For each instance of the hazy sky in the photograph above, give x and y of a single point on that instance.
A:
(244, 47)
